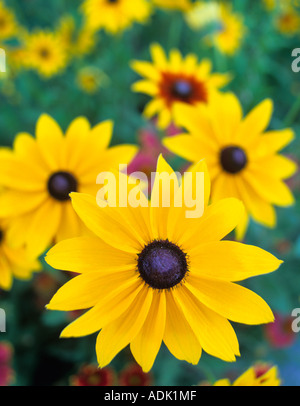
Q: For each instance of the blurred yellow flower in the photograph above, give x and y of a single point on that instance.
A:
(8, 23)
(14, 262)
(45, 53)
(40, 172)
(182, 5)
(228, 37)
(173, 80)
(90, 79)
(258, 375)
(242, 158)
(115, 16)
(149, 274)
(201, 14)
(288, 21)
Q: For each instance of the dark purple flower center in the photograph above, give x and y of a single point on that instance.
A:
(162, 264)
(182, 89)
(233, 159)
(61, 184)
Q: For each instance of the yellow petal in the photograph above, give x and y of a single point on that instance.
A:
(50, 140)
(76, 142)
(269, 188)
(231, 261)
(146, 344)
(88, 254)
(215, 334)
(111, 304)
(15, 202)
(179, 337)
(20, 174)
(146, 69)
(89, 289)
(118, 334)
(109, 223)
(158, 56)
(145, 86)
(218, 220)
(230, 300)
(277, 166)
(164, 190)
(43, 227)
(256, 121)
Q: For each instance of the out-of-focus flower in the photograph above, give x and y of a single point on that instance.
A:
(92, 375)
(146, 159)
(115, 16)
(45, 53)
(173, 80)
(90, 79)
(202, 14)
(280, 333)
(182, 5)
(14, 262)
(133, 375)
(288, 21)
(257, 375)
(228, 36)
(243, 159)
(40, 172)
(8, 23)
(151, 274)
(7, 373)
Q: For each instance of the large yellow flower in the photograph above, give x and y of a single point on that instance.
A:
(115, 15)
(179, 79)
(150, 274)
(41, 172)
(243, 159)
(254, 376)
(45, 53)
(14, 262)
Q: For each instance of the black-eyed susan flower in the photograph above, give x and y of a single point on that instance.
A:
(45, 52)
(149, 274)
(14, 262)
(8, 23)
(115, 16)
(173, 80)
(257, 375)
(243, 159)
(39, 173)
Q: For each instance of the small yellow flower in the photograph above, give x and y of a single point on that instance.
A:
(228, 37)
(90, 79)
(288, 22)
(173, 80)
(14, 262)
(115, 15)
(149, 274)
(39, 173)
(182, 5)
(242, 158)
(258, 375)
(8, 23)
(45, 53)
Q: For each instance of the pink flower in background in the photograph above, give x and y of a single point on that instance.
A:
(6, 371)
(280, 333)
